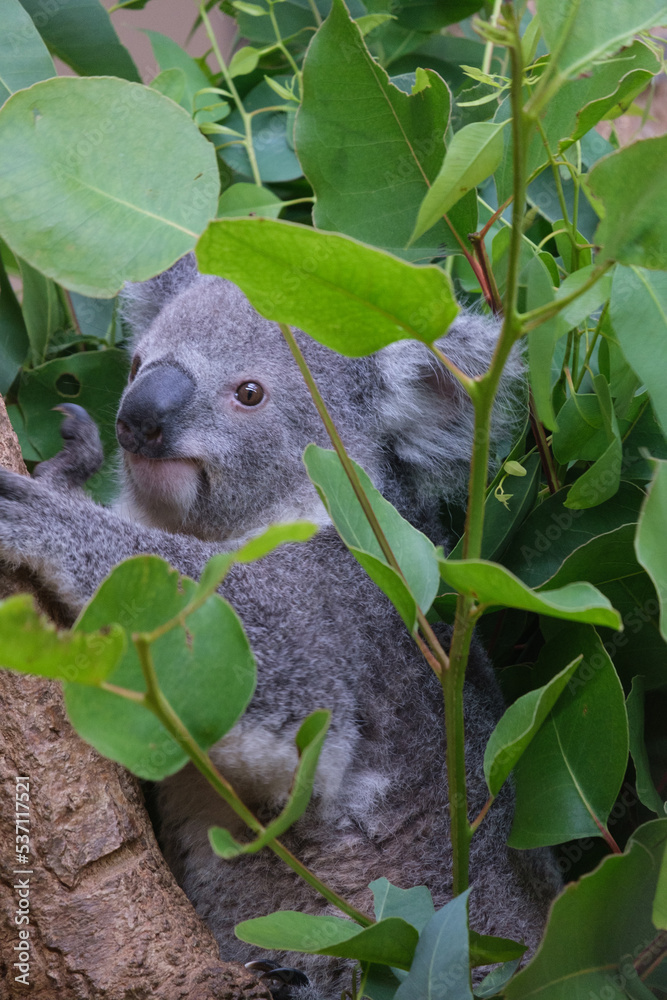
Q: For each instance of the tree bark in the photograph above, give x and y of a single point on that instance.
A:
(105, 918)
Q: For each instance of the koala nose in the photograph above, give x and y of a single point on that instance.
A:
(150, 416)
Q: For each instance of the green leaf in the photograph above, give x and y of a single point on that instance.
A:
(646, 790)
(493, 984)
(42, 311)
(633, 217)
(552, 532)
(252, 9)
(659, 914)
(24, 58)
(389, 942)
(472, 156)
(96, 317)
(414, 905)
(171, 83)
(517, 727)
(206, 670)
(568, 780)
(430, 15)
(595, 924)
(14, 343)
(170, 56)
(485, 949)
(309, 741)
(415, 553)
(94, 380)
(244, 61)
(579, 104)
(31, 644)
(93, 210)
(639, 303)
(367, 22)
(600, 482)
(81, 34)
(347, 296)
(587, 303)
(491, 584)
(580, 33)
(542, 342)
(368, 149)
(649, 542)
(248, 199)
(441, 964)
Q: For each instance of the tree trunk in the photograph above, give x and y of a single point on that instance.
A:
(103, 915)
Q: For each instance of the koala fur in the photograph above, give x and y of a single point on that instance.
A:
(204, 473)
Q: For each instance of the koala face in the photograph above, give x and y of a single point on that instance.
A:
(215, 419)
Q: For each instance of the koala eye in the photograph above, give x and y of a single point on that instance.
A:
(249, 393)
(136, 362)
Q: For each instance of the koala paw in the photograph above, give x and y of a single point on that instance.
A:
(284, 983)
(81, 455)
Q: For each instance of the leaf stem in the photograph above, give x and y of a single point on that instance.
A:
(158, 704)
(482, 813)
(434, 646)
(546, 457)
(231, 86)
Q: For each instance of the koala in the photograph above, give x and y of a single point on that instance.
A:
(212, 428)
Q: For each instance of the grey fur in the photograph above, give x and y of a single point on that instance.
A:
(323, 635)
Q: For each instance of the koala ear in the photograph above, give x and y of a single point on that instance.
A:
(141, 301)
(425, 417)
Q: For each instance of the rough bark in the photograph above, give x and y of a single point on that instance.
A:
(106, 918)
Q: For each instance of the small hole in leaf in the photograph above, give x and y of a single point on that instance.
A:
(68, 385)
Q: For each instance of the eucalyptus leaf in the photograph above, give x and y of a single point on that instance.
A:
(616, 901)
(646, 790)
(31, 644)
(89, 208)
(472, 156)
(441, 966)
(552, 532)
(649, 543)
(24, 58)
(355, 127)
(389, 942)
(639, 303)
(564, 786)
(519, 725)
(414, 552)
(248, 199)
(14, 343)
(492, 584)
(207, 673)
(169, 57)
(80, 33)
(414, 905)
(580, 33)
(351, 297)
(633, 217)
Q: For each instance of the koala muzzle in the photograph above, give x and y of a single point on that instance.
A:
(150, 416)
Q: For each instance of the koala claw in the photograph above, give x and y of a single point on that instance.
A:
(81, 455)
(284, 977)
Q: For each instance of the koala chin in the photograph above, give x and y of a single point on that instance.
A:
(212, 427)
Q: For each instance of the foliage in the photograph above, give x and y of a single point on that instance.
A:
(443, 161)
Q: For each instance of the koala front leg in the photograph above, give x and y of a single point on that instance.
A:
(70, 543)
